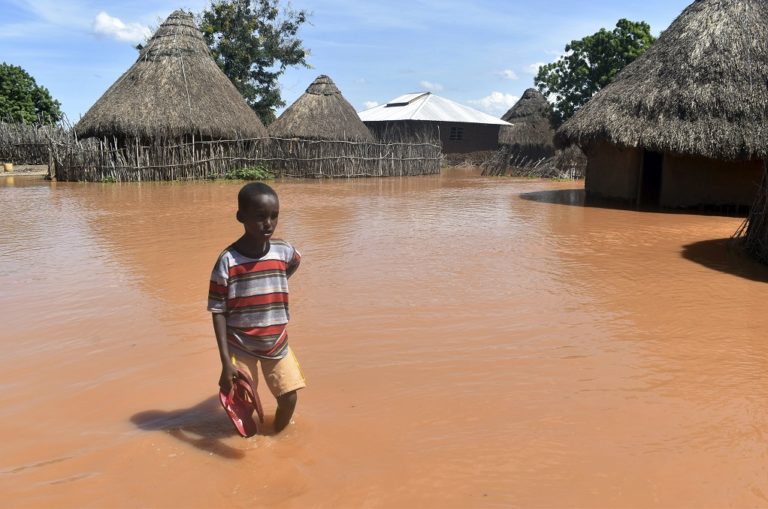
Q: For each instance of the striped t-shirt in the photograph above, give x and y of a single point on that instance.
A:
(253, 294)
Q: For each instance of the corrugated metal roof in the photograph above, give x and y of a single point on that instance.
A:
(405, 99)
(429, 107)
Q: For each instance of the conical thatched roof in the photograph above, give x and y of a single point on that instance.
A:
(530, 122)
(174, 89)
(699, 90)
(321, 113)
(532, 104)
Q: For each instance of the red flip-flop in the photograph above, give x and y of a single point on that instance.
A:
(240, 403)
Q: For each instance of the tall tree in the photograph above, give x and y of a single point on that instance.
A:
(23, 100)
(589, 64)
(253, 43)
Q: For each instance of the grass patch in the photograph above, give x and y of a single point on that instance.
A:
(249, 173)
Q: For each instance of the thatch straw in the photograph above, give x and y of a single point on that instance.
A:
(174, 89)
(699, 90)
(321, 113)
(530, 130)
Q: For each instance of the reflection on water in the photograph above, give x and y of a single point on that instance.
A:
(468, 341)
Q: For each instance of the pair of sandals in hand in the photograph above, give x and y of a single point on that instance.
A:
(240, 404)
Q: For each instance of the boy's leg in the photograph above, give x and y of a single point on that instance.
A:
(284, 377)
(286, 404)
(249, 364)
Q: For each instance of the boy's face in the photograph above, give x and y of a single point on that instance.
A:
(259, 218)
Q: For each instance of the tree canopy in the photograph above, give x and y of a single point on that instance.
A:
(254, 43)
(589, 64)
(23, 100)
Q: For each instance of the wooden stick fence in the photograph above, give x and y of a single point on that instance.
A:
(754, 229)
(321, 159)
(28, 143)
(99, 160)
(565, 164)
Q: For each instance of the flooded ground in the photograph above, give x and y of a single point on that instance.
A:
(468, 342)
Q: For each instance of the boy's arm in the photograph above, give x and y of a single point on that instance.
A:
(228, 371)
(293, 265)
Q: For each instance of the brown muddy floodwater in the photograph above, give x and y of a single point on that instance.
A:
(468, 342)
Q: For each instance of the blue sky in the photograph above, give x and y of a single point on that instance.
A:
(479, 53)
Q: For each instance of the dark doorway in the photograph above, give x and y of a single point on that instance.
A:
(650, 185)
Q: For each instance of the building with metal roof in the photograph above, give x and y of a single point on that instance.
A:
(424, 115)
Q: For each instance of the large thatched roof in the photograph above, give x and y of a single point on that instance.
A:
(530, 122)
(175, 88)
(699, 90)
(321, 113)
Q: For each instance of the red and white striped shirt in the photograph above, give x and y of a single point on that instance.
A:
(253, 294)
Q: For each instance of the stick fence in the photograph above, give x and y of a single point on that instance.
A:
(28, 143)
(99, 160)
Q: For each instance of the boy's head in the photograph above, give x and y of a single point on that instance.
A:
(251, 192)
(258, 209)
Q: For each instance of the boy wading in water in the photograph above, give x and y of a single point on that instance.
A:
(248, 298)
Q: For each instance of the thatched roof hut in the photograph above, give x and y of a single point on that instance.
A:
(689, 113)
(174, 89)
(321, 113)
(530, 132)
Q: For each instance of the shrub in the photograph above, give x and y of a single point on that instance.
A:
(249, 173)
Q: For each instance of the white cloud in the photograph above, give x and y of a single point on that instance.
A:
(104, 24)
(370, 104)
(508, 74)
(496, 103)
(432, 87)
(534, 68)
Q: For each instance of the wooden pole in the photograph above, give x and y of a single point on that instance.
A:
(51, 164)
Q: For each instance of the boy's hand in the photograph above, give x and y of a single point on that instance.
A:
(228, 373)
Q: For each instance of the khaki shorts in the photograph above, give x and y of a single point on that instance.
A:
(282, 375)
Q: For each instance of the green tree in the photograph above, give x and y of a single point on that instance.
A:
(589, 64)
(254, 43)
(23, 100)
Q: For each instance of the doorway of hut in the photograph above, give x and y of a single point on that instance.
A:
(650, 179)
